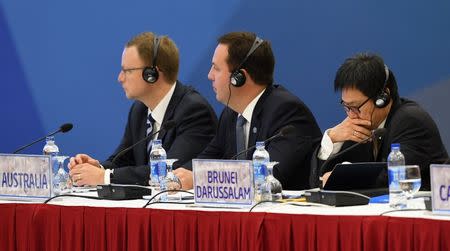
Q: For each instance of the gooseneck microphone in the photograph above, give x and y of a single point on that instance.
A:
(63, 128)
(166, 126)
(375, 134)
(285, 131)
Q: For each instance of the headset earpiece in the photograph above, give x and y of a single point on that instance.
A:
(383, 98)
(151, 74)
(237, 77)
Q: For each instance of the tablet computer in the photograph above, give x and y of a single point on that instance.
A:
(358, 176)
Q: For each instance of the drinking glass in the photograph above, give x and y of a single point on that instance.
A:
(410, 181)
(61, 179)
(274, 184)
(172, 181)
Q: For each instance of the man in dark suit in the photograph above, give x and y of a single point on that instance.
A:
(242, 78)
(371, 100)
(149, 76)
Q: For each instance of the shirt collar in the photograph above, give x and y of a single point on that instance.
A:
(382, 124)
(248, 111)
(160, 109)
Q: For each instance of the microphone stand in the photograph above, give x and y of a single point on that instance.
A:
(166, 126)
(34, 142)
(285, 131)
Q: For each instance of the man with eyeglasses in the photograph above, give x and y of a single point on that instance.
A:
(149, 75)
(371, 101)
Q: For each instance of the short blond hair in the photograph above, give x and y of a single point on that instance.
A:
(167, 59)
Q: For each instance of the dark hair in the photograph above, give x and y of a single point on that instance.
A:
(167, 58)
(366, 73)
(259, 65)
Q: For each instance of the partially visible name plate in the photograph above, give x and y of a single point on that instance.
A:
(440, 188)
(25, 176)
(227, 183)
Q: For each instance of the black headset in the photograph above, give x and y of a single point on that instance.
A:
(150, 74)
(237, 77)
(383, 98)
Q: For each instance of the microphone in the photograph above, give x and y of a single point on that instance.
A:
(63, 128)
(377, 133)
(166, 126)
(285, 131)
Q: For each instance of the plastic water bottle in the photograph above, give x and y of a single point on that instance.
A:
(396, 165)
(52, 150)
(158, 169)
(50, 147)
(260, 160)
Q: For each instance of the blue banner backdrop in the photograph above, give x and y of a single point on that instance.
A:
(60, 60)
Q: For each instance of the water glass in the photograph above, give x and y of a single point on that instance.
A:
(275, 187)
(410, 182)
(171, 180)
(61, 179)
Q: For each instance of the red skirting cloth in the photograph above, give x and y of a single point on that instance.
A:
(50, 227)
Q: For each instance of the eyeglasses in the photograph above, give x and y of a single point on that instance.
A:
(354, 109)
(128, 71)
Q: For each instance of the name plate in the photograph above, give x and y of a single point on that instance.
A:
(25, 176)
(223, 182)
(440, 188)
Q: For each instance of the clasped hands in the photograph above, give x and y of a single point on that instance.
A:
(85, 170)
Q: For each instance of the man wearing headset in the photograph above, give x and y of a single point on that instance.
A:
(256, 109)
(149, 76)
(371, 100)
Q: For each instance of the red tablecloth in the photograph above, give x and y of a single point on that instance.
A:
(50, 227)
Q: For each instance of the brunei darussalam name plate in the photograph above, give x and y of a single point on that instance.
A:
(223, 183)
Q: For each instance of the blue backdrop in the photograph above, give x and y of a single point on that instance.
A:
(60, 59)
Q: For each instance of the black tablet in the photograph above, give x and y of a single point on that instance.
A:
(358, 176)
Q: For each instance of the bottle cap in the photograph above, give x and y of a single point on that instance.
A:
(259, 144)
(395, 145)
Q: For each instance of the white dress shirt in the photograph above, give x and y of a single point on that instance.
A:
(247, 114)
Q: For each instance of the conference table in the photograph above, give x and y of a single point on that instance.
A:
(69, 223)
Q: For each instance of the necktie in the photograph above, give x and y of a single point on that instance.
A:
(150, 122)
(240, 136)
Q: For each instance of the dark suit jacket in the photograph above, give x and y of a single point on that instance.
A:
(195, 126)
(275, 109)
(408, 124)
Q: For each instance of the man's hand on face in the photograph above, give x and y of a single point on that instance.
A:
(355, 129)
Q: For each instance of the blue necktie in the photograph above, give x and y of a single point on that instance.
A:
(240, 136)
(150, 122)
